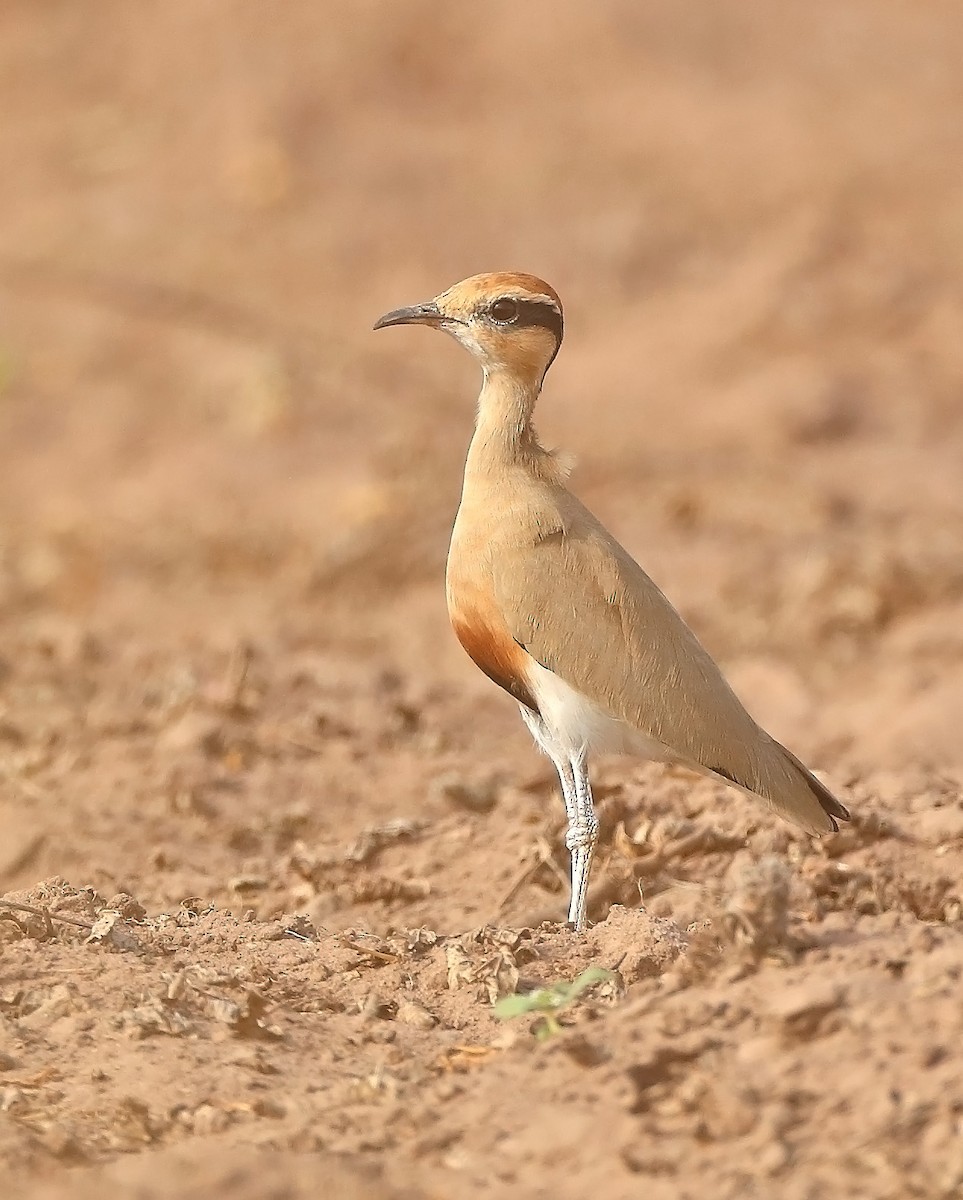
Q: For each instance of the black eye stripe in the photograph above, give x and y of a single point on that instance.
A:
(541, 313)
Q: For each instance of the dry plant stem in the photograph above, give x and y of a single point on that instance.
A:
(46, 914)
(522, 877)
(380, 955)
(238, 670)
(538, 855)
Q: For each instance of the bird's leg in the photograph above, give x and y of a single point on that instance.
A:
(582, 835)
(583, 825)
(575, 838)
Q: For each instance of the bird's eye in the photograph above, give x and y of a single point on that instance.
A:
(504, 311)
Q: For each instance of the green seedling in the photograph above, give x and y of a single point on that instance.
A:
(546, 1002)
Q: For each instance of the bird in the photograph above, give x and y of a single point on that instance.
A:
(555, 611)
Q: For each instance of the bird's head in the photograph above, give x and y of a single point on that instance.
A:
(509, 321)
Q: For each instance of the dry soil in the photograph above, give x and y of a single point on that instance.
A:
(269, 846)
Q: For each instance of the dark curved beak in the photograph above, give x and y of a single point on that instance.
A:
(417, 314)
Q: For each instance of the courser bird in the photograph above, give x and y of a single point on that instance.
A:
(550, 606)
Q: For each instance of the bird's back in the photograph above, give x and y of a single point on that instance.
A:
(533, 573)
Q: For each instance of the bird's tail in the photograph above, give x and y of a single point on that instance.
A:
(776, 775)
(824, 798)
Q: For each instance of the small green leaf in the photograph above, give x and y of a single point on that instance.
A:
(546, 1001)
(509, 1007)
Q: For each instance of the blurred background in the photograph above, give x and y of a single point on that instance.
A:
(753, 212)
(226, 673)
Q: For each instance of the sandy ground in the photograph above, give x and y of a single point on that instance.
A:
(285, 845)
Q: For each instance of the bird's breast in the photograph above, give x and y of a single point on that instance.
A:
(485, 638)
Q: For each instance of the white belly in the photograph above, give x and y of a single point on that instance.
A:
(573, 722)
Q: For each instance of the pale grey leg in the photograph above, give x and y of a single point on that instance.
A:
(582, 832)
(582, 836)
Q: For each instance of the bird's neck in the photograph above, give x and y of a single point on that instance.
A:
(504, 434)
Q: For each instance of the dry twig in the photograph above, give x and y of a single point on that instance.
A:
(46, 915)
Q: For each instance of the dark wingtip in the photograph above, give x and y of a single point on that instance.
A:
(827, 801)
(824, 797)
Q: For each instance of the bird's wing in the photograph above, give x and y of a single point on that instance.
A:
(585, 610)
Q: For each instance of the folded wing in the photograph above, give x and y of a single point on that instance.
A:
(585, 610)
